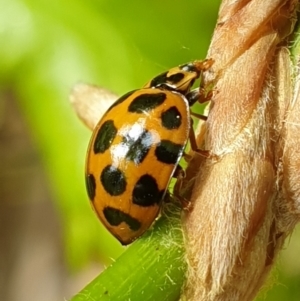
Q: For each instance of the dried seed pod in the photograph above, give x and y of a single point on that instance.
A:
(237, 227)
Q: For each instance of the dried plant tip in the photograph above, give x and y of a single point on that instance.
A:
(90, 103)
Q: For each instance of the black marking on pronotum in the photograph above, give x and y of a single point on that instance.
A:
(113, 180)
(163, 80)
(158, 80)
(138, 146)
(168, 152)
(120, 100)
(171, 119)
(146, 192)
(175, 78)
(105, 136)
(146, 102)
(115, 217)
(90, 186)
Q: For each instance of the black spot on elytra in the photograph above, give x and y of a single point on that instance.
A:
(138, 146)
(168, 152)
(146, 102)
(171, 119)
(120, 100)
(105, 136)
(90, 184)
(115, 217)
(113, 180)
(146, 192)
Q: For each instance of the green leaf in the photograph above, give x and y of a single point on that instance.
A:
(152, 268)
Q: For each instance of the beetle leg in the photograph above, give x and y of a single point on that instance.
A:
(200, 95)
(179, 174)
(204, 95)
(194, 145)
(200, 116)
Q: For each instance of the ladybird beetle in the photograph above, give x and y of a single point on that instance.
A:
(135, 149)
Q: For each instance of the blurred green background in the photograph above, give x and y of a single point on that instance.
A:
(48, 230)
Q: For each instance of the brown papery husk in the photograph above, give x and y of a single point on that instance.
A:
(245, 200)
